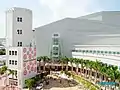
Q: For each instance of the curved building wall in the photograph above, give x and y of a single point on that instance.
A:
(76, 32)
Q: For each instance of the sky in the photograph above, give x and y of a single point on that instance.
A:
(47, 11)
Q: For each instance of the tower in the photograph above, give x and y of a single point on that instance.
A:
(56, 49)
(18, 27)
(20, 51)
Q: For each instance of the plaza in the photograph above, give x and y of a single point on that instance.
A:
(84, 46)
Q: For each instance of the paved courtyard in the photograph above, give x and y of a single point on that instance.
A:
(57, 83)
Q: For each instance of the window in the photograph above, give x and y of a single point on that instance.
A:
(15, 52)
(114, 52)
(90, 51)
(15, 62)
(55, 48)
(56, 53)
(94, 51)
(19, 43)
(98, 51)
(19, 31)
(9, 52)
(110, 52)
(12, 52)
(55, 34)
(86, 51)
(9, 61)
(105, 51)
(83, 51)
(118, 53)
(12, 62)
(19, 19)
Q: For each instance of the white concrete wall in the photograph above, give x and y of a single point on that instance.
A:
(25, 26)
(20, 61)
(106, 58)
(9, 28)
(73, 32)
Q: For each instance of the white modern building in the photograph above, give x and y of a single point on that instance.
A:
(20, 45)
(55, 52)
(101, 28)
(98, 32)
(18, 27)
(109, 54)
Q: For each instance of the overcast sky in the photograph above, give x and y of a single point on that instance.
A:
(47, 11)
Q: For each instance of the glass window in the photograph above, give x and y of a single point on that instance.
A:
(105, 51)
(19, 43)
(118, 53)
(94, 51)
(114, 52)
(110, 52)
(55, 34)
(55, 48)
(20, 19)
(55, 41)
(15, 52)
(90, 51)
(12, 52)
(15, 62)
(101, 51)
(73, 50)
(83, 51)
(20, 31)
(9, 52)
(98, 51)
(87, 51)
(9, 61)
(12, 62)
(55, 53)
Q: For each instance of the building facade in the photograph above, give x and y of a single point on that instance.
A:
(108, 54)
(55, 53)
(95, 29)
(18, 25)
(20, 46)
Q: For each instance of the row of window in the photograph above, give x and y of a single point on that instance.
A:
(19, 31)
(12, 52)
(55, 41)
(13, 62)
(19, 19)
(94, 51)
(19, 44)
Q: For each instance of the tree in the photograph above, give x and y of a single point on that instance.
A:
(71, 62)
(76, 61)
(11, 72)
(96, 67)
(45, 59)
(29, 83)
(39, 60)
(66, 60)
(62, 61)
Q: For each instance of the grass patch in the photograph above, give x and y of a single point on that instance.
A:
(86, 83)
